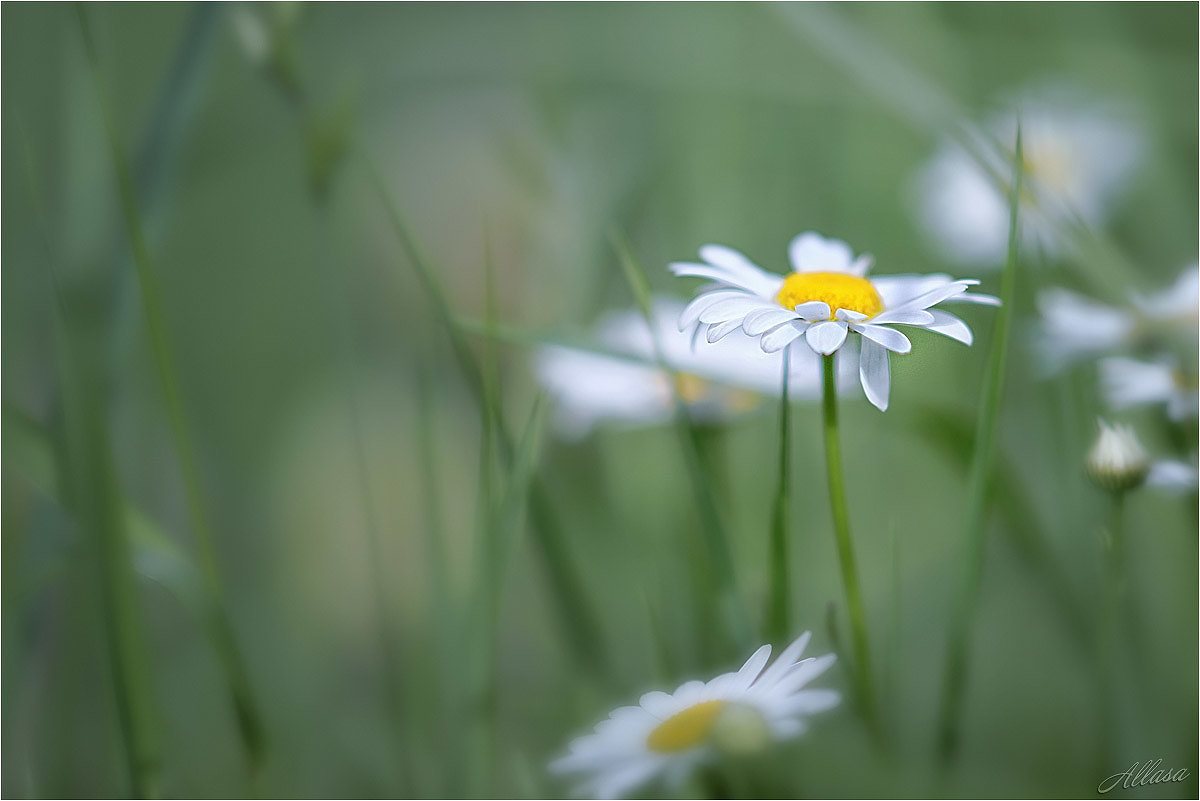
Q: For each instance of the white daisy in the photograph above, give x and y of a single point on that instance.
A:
(1077, 156)
(825, 297)
(716, 380)
(1076, 328)
(1131, 382)
(669, 734)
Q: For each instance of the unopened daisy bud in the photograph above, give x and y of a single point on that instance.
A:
(1117, 462)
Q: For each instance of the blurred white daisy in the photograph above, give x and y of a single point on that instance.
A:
(1076, 328)
(826, 297)
(715, 380)
(1130, 382)
(669, 734)
(1077, 156)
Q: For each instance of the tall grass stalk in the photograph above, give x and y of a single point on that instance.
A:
(88, 483)
(777, 626)
(864, 679)
(577, 618)
(716, 541)
(250, 727)
(978, 496)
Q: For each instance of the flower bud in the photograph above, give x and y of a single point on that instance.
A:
(1117, 462)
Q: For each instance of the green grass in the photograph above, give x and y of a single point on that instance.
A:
(288, 511)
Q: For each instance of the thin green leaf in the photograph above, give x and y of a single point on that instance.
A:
(978, 493)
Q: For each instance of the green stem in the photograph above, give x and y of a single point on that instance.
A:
(220, 628)
(978, 493)
(779, 601)
(845, 546)
(1110, 634)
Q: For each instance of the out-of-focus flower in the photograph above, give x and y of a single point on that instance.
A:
(1076, 328)
(1077, 155)
(1130, 382)
(669, 734)
(715, 380)
(826, 296)
(1117, 462)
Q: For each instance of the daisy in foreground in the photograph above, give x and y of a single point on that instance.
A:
(670, 734)
(824, 299)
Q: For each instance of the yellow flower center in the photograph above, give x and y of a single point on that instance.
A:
(839, 290)
(686, 729)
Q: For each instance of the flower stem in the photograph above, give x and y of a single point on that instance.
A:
(779, 600)
(1110, 634)
(841, 529)
(979, 492)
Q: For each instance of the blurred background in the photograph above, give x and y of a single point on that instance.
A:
(216, 339)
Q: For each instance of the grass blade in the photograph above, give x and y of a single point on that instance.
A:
(249, 722)
(716, 541)
(576, 616)
(975, 528)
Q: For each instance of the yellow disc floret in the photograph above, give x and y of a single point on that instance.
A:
(839, 290)
(686, 729)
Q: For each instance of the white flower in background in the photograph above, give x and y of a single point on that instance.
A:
(1077, 156)
(826, 297)
(669, 734)
(1076, 328)
(1130, 382)
(716, 380)
(1118, 462)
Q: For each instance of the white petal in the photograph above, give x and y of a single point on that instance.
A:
(890, 338)
(812, 253)
(809, 702)
(721, 330)
(896, 289)
(814, 310)
(947, 324)
(936, 295)
(762, 320)
(803, 673)
(784, 662)
(849, 316)
(825, 338)
(875, 374)
(660, 704)
(779, 338)
(730, 308)
(764, 284)
(692, 312)
(1172, 476)
(975, 297)
(736, 264)
(754, 665)
(901, 317)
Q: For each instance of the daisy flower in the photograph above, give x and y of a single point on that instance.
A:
(669, 734)
(825, 298)
(1131, 382)
(716, 380)
(1075, 328)
(1077, 156)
